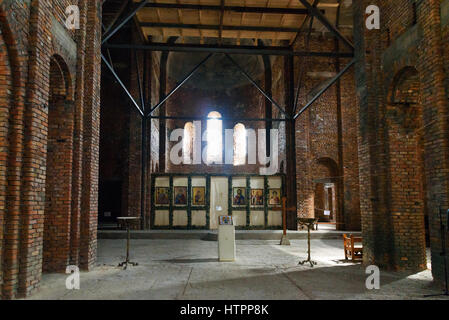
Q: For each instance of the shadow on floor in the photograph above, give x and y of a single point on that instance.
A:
(188, 260)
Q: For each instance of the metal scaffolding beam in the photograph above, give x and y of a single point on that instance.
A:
(180, 84)
(238, 9)
(230, 49)
(124, 21)
(216, 27)
(328, 85)
(193, 118)
(317, 14)
(117, 78)
(256, 85)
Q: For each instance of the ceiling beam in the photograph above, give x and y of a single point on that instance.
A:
(239, 9)
(131, 15)
(217, 27)
(230, 49)
(222, 13)
(317, 14)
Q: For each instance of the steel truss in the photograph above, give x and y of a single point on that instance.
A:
(142, 108)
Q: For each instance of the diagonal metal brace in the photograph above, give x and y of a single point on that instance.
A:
(121, 84)
(315, 12)
(180, 84)
(124, 21)
(256, 85)
(328, 85)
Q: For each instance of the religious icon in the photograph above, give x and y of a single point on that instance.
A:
(225, 220)
(161, 196)
(274, 197)
(239, 197)
(199, 196)
(257, 197)
(180, 196)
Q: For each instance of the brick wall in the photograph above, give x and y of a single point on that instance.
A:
(322, 150)
(31, 34)
(403, 152)
(242, 102)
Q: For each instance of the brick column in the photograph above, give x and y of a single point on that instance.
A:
(375, 216)
(78, 137)
(91, 135)
(435, 109)
(30, 224)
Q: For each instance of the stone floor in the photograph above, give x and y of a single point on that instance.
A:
(188, 269)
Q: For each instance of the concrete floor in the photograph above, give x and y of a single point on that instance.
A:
(188, 269)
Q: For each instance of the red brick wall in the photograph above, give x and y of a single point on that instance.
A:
(403, 155)
(56, 245)
(31, 36)
(318, 153)
(242, 102)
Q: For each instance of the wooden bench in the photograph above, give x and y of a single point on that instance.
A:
(353, 252)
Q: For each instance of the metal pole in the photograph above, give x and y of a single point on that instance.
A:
(303, 61)
(121, 83)
(223, 119)
(181, 83)
(139, 83)
(230, 49)
(143, 172)
(256, 85)
(124, 21)
(127, 241)
(318, 95)
(327, 24)
(284, 215)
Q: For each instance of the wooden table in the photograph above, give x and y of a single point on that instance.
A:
(127, 222)
(309, 223)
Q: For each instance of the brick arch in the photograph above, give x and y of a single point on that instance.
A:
(406, 197)
(330, 164)
(405, 86)
(57, 218)
(326, 176)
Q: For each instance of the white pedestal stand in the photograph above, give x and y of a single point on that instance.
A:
(226, 243)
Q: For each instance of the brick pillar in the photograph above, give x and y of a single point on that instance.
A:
(350, 197)
(56, 245)
(304, 171)
(405, 205)
(134, 158)
(29, 228)
(435, 109)
(375, 216)
(5, 103)
(78, 137)
(91, 135)
(5, 73)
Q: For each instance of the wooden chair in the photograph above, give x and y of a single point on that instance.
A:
(353, 252)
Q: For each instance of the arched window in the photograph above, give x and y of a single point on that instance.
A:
(189, 138)
(240, 145)
(214, 138)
